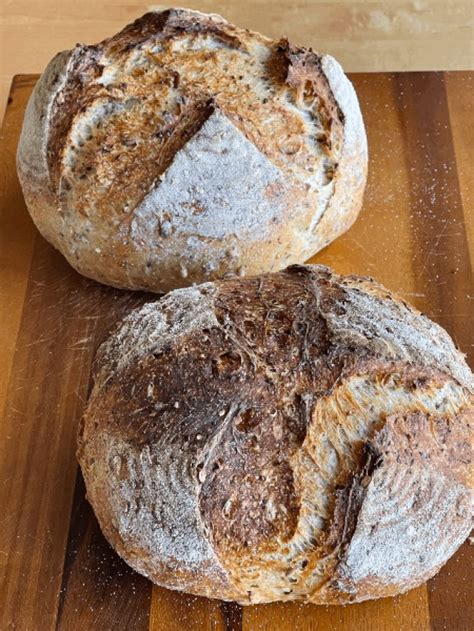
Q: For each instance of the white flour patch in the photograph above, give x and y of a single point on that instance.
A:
(218, 184)
(405, 525)
(156, 324)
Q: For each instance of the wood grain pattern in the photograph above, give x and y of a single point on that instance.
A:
(192, 613)
(98, 589)
(16, 235)
(460, 88)
(405, 612)
(57, 571)
(366, 36)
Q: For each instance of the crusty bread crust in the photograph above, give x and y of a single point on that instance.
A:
(291, 436)
(184, 148)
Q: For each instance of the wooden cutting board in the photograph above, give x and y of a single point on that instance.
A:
(415, 234)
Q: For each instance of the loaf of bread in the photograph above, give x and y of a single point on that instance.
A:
(290, 436)
(185, 148)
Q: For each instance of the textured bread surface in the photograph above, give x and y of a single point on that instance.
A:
(290, 436)
(184, 148)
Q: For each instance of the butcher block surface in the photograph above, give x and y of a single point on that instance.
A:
(415, 234)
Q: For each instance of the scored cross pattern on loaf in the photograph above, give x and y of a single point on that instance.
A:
(184, 148)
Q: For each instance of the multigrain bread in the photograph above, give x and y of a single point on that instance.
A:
(291, 436)
(184, 148)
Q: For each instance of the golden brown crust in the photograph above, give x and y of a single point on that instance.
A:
(283, 437)
(184, 148)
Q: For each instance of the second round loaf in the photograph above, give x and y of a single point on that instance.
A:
(293, 436)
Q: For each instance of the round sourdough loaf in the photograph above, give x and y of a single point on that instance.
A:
(291, 436)
(184, 148)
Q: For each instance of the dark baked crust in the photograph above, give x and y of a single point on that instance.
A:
(314, 433)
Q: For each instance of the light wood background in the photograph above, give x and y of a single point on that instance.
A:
(415, 234)
(365, 35)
